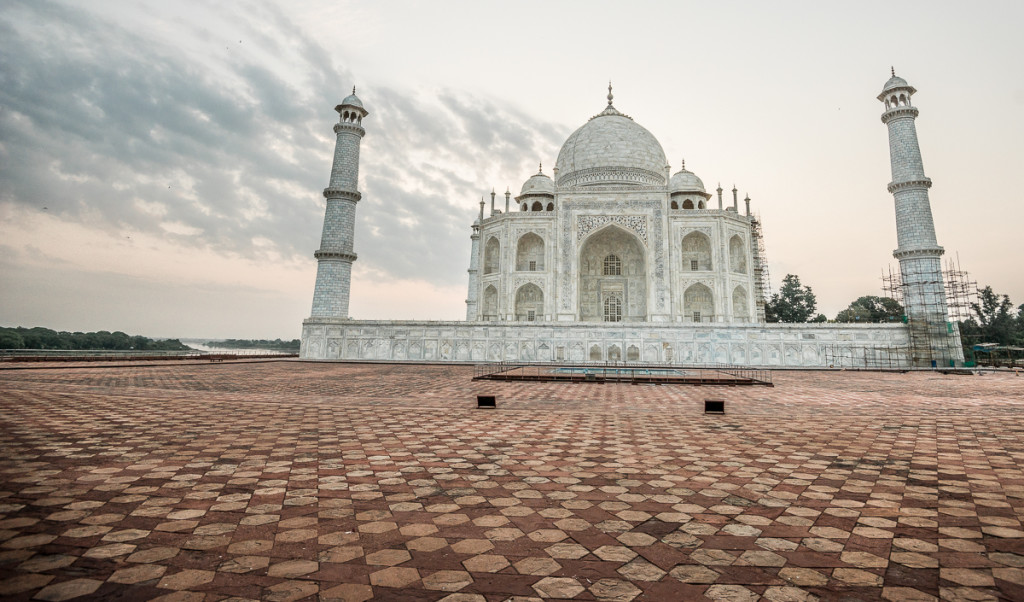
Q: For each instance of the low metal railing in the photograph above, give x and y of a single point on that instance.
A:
(633, 372)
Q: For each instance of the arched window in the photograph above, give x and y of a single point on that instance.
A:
(740, 305)
(537, 206)
(529, 303)
(687, 204)
(530, 253)
(737, 255)
(675, 205)
(490, 303)
(699, 304)
(696, 252)
(700, 205)
(903, 100)
(551, 206)
(613, 309)
(526, 207)
(492, 256)
(612, 266)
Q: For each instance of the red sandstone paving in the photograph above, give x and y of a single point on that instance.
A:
(290, 480)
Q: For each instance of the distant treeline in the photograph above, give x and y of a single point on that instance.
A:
(275, 345)
(44, 338)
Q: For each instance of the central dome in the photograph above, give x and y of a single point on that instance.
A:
(611, 149)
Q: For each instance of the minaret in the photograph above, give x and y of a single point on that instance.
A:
(472, 297)
(719, 196)
(933, 340)
(335, 256)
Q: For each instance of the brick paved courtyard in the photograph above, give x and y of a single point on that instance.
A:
(289, 480)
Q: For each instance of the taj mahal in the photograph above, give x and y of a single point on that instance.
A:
(615, 258)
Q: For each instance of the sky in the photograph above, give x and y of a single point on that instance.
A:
(161, 164)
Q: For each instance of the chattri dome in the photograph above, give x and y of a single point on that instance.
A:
(352, 100)
(613, 149)
(686, 181)
(538, 184)
(895, 82)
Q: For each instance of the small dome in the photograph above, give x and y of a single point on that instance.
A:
(353, 100)
(611, 148)
(895, 82)
(685, 181)
(539, 183)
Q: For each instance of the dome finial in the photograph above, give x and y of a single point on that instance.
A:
(540, 167)
(892, 70)
(684, 164)
(353, 89)
(609, 93)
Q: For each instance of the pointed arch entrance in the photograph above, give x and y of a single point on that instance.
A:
(613, 277)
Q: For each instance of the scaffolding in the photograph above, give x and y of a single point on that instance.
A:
(933, 333)
(762, 280)
(932, 319)
(961, 291)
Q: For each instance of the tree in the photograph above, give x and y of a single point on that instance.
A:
(793, 302)
(994, 320)
(871, 309)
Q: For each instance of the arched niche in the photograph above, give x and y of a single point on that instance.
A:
(696, 252)
(699, 304)
(492, 256)
(530, 253)
(737, 254)
(529, 303)
(612, 277)
(740, 305)
(490, 303)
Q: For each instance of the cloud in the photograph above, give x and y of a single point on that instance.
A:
(223, 138)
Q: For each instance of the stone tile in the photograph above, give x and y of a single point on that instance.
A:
(186, 579)
(149, 555)
(290, 569)
(347, 592)
(536, 566)
(66, 590)
(23, 583)
(485, 563)
(287, 591)
(614, 590)
(41, 564)
(732, 593)
(447, 580)
(244, 564)
(857, 577)
(694, 573)
(395, 577)
(558, 587)
(615, 553)
(968, 577)
(137, 573)
(639, 569)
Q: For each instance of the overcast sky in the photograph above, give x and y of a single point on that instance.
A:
(161, 164)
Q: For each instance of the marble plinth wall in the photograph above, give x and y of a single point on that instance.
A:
(767, 345)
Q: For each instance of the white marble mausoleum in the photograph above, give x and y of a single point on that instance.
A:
(611, 257)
